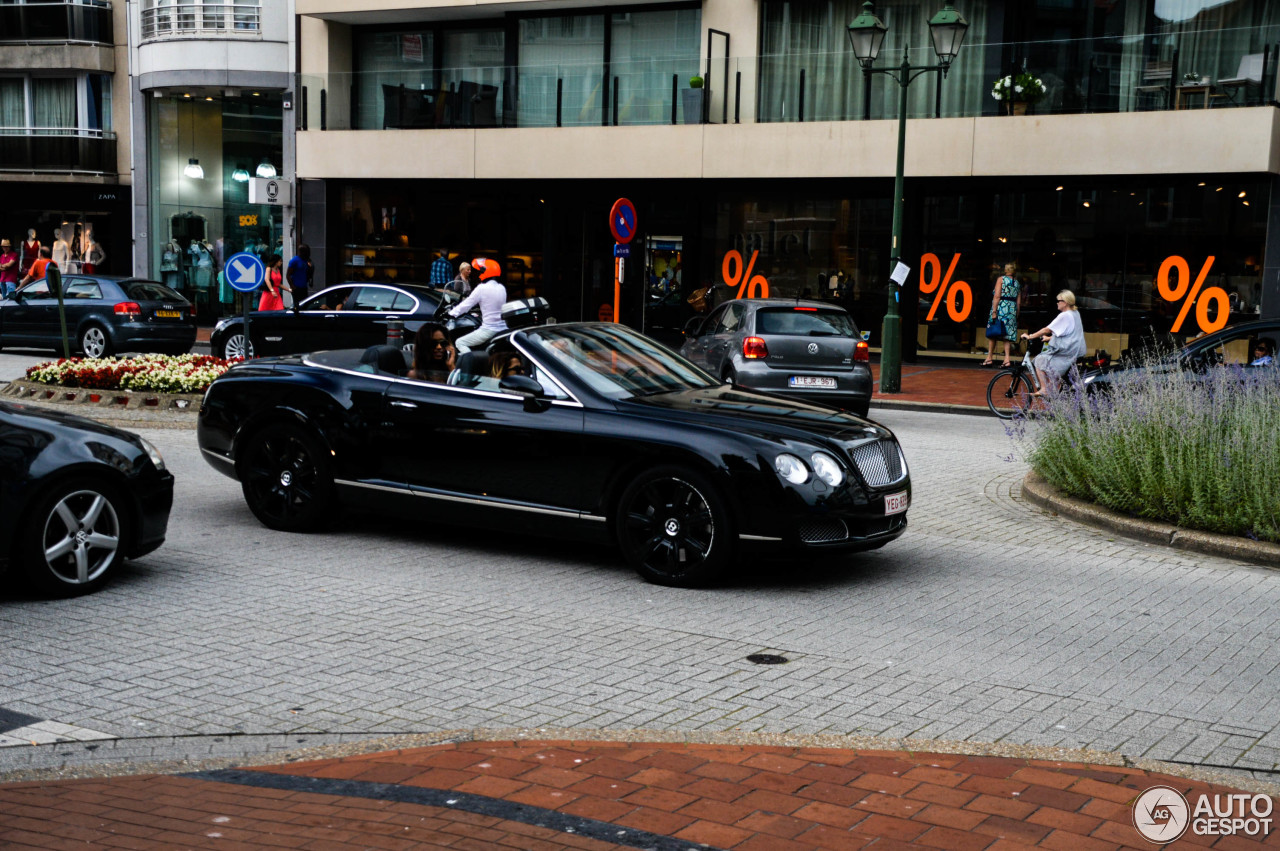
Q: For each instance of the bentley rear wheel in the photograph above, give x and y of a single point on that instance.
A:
(674, 528)
(286, 478)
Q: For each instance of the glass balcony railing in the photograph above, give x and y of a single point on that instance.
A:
(196, 19)
(55, 149)
(72, 20)
(1189, 70)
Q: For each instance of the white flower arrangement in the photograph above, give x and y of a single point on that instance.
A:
(1016, 88)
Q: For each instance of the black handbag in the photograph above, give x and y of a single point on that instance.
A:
(996, 328)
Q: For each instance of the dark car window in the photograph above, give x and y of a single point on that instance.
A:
(730, 319)
(709, 325)
(150, 291)
(805, 322)
(327, 300)
(402, 302)
(35, 289)
(618, 362)
(83, 289)
(374, 298)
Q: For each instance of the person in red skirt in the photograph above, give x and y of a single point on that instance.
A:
(274, 286)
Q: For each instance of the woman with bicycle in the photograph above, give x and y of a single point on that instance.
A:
(1066, 342)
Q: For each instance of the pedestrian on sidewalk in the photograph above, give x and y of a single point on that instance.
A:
(442, 269)
(36, 272)
(300, 273)
(1006, 302)
(274, 286)
(8, 268)
(461, 284)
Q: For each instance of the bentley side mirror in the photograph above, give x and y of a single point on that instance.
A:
(691, 327)
(535, 398)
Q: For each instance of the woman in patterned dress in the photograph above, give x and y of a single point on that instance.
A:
(1006, 301)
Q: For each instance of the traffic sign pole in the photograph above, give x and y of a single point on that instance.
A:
(245, 273)
(622, 224)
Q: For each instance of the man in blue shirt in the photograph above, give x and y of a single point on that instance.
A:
(442, 269)
(300, 272)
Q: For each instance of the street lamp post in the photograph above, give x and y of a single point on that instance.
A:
(866, 35)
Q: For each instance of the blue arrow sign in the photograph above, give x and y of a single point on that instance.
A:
(245, 272)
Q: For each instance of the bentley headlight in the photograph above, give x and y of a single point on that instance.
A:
(791, 468)
(826, 468)
(153, 453)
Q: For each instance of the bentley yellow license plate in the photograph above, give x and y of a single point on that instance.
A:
(169, 314)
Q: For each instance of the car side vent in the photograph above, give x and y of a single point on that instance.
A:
(879, 462)
(823, 531)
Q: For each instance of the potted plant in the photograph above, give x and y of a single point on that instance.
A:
(692, 100)
(1018, 90)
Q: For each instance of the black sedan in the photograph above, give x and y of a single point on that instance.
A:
(76, 499)
(340, 317)
(1233, 345)
(105, 314)
(807, 350)
(589, 429)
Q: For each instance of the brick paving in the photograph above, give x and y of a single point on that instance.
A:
(941, 384)
(546, 795)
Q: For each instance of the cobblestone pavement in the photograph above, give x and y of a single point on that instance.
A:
(986, 622)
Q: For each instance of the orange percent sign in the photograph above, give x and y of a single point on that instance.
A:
(756, 286)
(958, 296)
(1173, 293)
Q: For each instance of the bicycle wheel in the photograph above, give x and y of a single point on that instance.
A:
(1008, 393)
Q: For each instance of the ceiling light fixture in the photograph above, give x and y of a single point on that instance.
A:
(266, 169)
(240, 175)
(193, 169)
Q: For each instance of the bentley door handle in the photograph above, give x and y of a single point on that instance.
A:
(399, 404)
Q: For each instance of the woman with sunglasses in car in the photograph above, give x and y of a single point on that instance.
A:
(434, 357)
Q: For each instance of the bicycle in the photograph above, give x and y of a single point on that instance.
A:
(1010, 391)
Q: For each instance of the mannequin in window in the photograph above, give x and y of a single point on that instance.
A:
(61, 250)
(30, 251)
(93, 256)
(202, 260)
(171, 266)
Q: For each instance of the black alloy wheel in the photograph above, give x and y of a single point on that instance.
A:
(674, 528)
(1009, 393)
(75, 537)
(286, 478)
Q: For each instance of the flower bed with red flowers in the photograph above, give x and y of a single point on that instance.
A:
(152, 373)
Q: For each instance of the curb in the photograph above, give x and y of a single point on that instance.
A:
(30, 391)
(931, 407)
(1045, 495)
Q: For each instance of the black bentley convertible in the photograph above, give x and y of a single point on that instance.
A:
(583, 429)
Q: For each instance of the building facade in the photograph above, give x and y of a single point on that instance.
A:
(64, 131)
(1147, 164)
(211, 94)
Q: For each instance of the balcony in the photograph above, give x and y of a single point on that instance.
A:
(73, 20)
(45, 149)
(165, 19)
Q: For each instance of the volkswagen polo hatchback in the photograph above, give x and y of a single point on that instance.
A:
(806, 350)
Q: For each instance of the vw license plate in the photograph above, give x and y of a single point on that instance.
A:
(812, 381)
(169, 314)
(896, 503)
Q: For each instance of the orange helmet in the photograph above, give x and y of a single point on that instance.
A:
(486, 268)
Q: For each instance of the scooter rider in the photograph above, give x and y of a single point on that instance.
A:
(491, 295)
